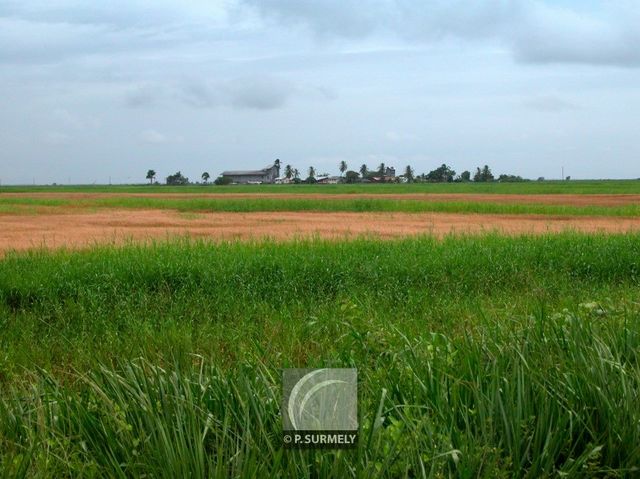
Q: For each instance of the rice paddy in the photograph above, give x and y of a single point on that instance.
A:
(483, 356)
(186, 203)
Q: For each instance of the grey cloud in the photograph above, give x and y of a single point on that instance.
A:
(259, 93)
(347, 18)
(250, 92)
(407, 18)
(118, 14)
(24, 41)
(48, 32)
(556, 35)
(318, 92)
(197, 95)
(534, 31)
(142, 97)
(549, 103)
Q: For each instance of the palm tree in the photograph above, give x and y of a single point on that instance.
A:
(343, 167)
(277, 165)
(151, 175)
(296, 173)
(205, 177)
(381, 169)
(288, 172)
(364, 171)
(312, 172)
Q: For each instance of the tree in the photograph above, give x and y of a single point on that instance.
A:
(342, 167)
(486, 173)
(351, 176)
(381, 169)
(151, 176)
(277, 165)
(465, 176)
(364, 171)
(312, 172)
(442, 174)
(205, 177)
(510, 178)
(296, 174)
(222, 180)
(408, 173)
(288, 172)
(483, 175)
(177, 179)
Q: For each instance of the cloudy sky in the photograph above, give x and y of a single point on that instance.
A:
(92, 90)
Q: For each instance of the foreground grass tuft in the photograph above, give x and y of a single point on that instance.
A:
(477, 357)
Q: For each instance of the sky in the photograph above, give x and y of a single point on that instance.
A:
(93, 92)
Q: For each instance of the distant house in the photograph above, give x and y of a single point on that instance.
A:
(265, 175)
(388, 177)
(283, 180)
(327, 180)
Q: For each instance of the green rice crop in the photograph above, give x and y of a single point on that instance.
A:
(255, 204)
(483, 356)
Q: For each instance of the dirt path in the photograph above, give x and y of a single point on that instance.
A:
(556, 199)
(21, 232)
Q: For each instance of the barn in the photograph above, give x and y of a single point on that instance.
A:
(265, 175)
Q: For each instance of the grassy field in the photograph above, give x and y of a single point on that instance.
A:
(530, 187)
(477, 356)
(34, 205)
(121, 198)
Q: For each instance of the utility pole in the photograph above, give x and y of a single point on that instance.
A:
(563, 172)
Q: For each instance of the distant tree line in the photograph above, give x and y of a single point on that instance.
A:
(443, 174)
(446, 174)
(176, 179)
(382, 173)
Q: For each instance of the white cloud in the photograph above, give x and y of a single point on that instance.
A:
(56, 138)
(152, 136)
(396, 136)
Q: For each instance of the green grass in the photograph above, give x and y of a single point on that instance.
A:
(531, 187)
(18, 205)
(477, 356)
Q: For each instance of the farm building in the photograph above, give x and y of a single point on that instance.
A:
(265, 175)
(388, 176)
(328, 180)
